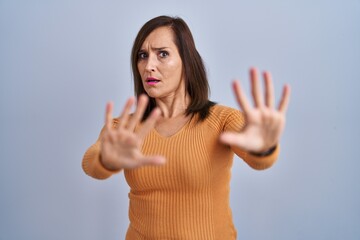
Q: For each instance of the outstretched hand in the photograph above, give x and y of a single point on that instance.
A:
(121, 146)
(264, 122)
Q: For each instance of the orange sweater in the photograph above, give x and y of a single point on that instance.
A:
(188, 197)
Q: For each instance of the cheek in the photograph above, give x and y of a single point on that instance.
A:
(175, 67)
(140, 68)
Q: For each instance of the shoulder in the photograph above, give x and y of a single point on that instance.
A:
(221, 109)
(221, 117)
(222, 112)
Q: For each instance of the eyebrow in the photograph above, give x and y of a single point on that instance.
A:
(154, 48)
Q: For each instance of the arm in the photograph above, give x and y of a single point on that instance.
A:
(258, 162)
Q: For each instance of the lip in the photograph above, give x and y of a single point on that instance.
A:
(152, 80)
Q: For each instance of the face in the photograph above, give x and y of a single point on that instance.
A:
(160, 65)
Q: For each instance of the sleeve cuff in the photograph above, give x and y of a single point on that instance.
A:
(263, 161)
(92, 164)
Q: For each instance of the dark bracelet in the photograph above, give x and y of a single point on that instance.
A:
(264, 154)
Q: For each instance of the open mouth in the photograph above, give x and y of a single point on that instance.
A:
(152, 80)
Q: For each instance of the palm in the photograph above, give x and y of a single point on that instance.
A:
(121, 144)
(264, 123)
(122, 147)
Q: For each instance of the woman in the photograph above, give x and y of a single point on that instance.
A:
(177, 148)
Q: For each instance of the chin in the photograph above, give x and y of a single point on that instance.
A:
(152, 94)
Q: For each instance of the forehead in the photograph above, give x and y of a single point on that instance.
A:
(160, 37)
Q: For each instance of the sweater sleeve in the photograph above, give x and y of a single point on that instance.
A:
(235, 121)
(256, 162)
(91, 162)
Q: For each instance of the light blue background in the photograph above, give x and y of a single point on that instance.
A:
(61, 61)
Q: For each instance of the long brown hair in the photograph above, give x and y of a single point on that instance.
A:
(196, 81)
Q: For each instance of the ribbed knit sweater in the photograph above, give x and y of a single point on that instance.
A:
(188, 197)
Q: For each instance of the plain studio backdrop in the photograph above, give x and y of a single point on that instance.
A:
(61, 61)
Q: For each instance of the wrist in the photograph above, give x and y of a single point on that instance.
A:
(108, 166)
(264, 153)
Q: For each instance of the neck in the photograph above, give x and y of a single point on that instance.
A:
(175, 106)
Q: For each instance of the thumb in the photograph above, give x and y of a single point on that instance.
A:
(233, 139)
(153, 160)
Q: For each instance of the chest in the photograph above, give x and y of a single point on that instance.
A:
(194, 160)
(187, 164)
(171, 126)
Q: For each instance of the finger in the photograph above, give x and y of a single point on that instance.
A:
(233, 139)
(240, 97)
(149, 123)
(124, 116)
(152, 160)
(108, 115)
(140, 109)
(255, 88)
(269, 90)
(285, 98)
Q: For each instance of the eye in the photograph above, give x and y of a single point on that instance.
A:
(163, 54)
(142, 55)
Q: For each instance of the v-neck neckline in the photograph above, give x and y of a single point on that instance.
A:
(178, 132)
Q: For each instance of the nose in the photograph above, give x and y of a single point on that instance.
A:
(151, 63)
